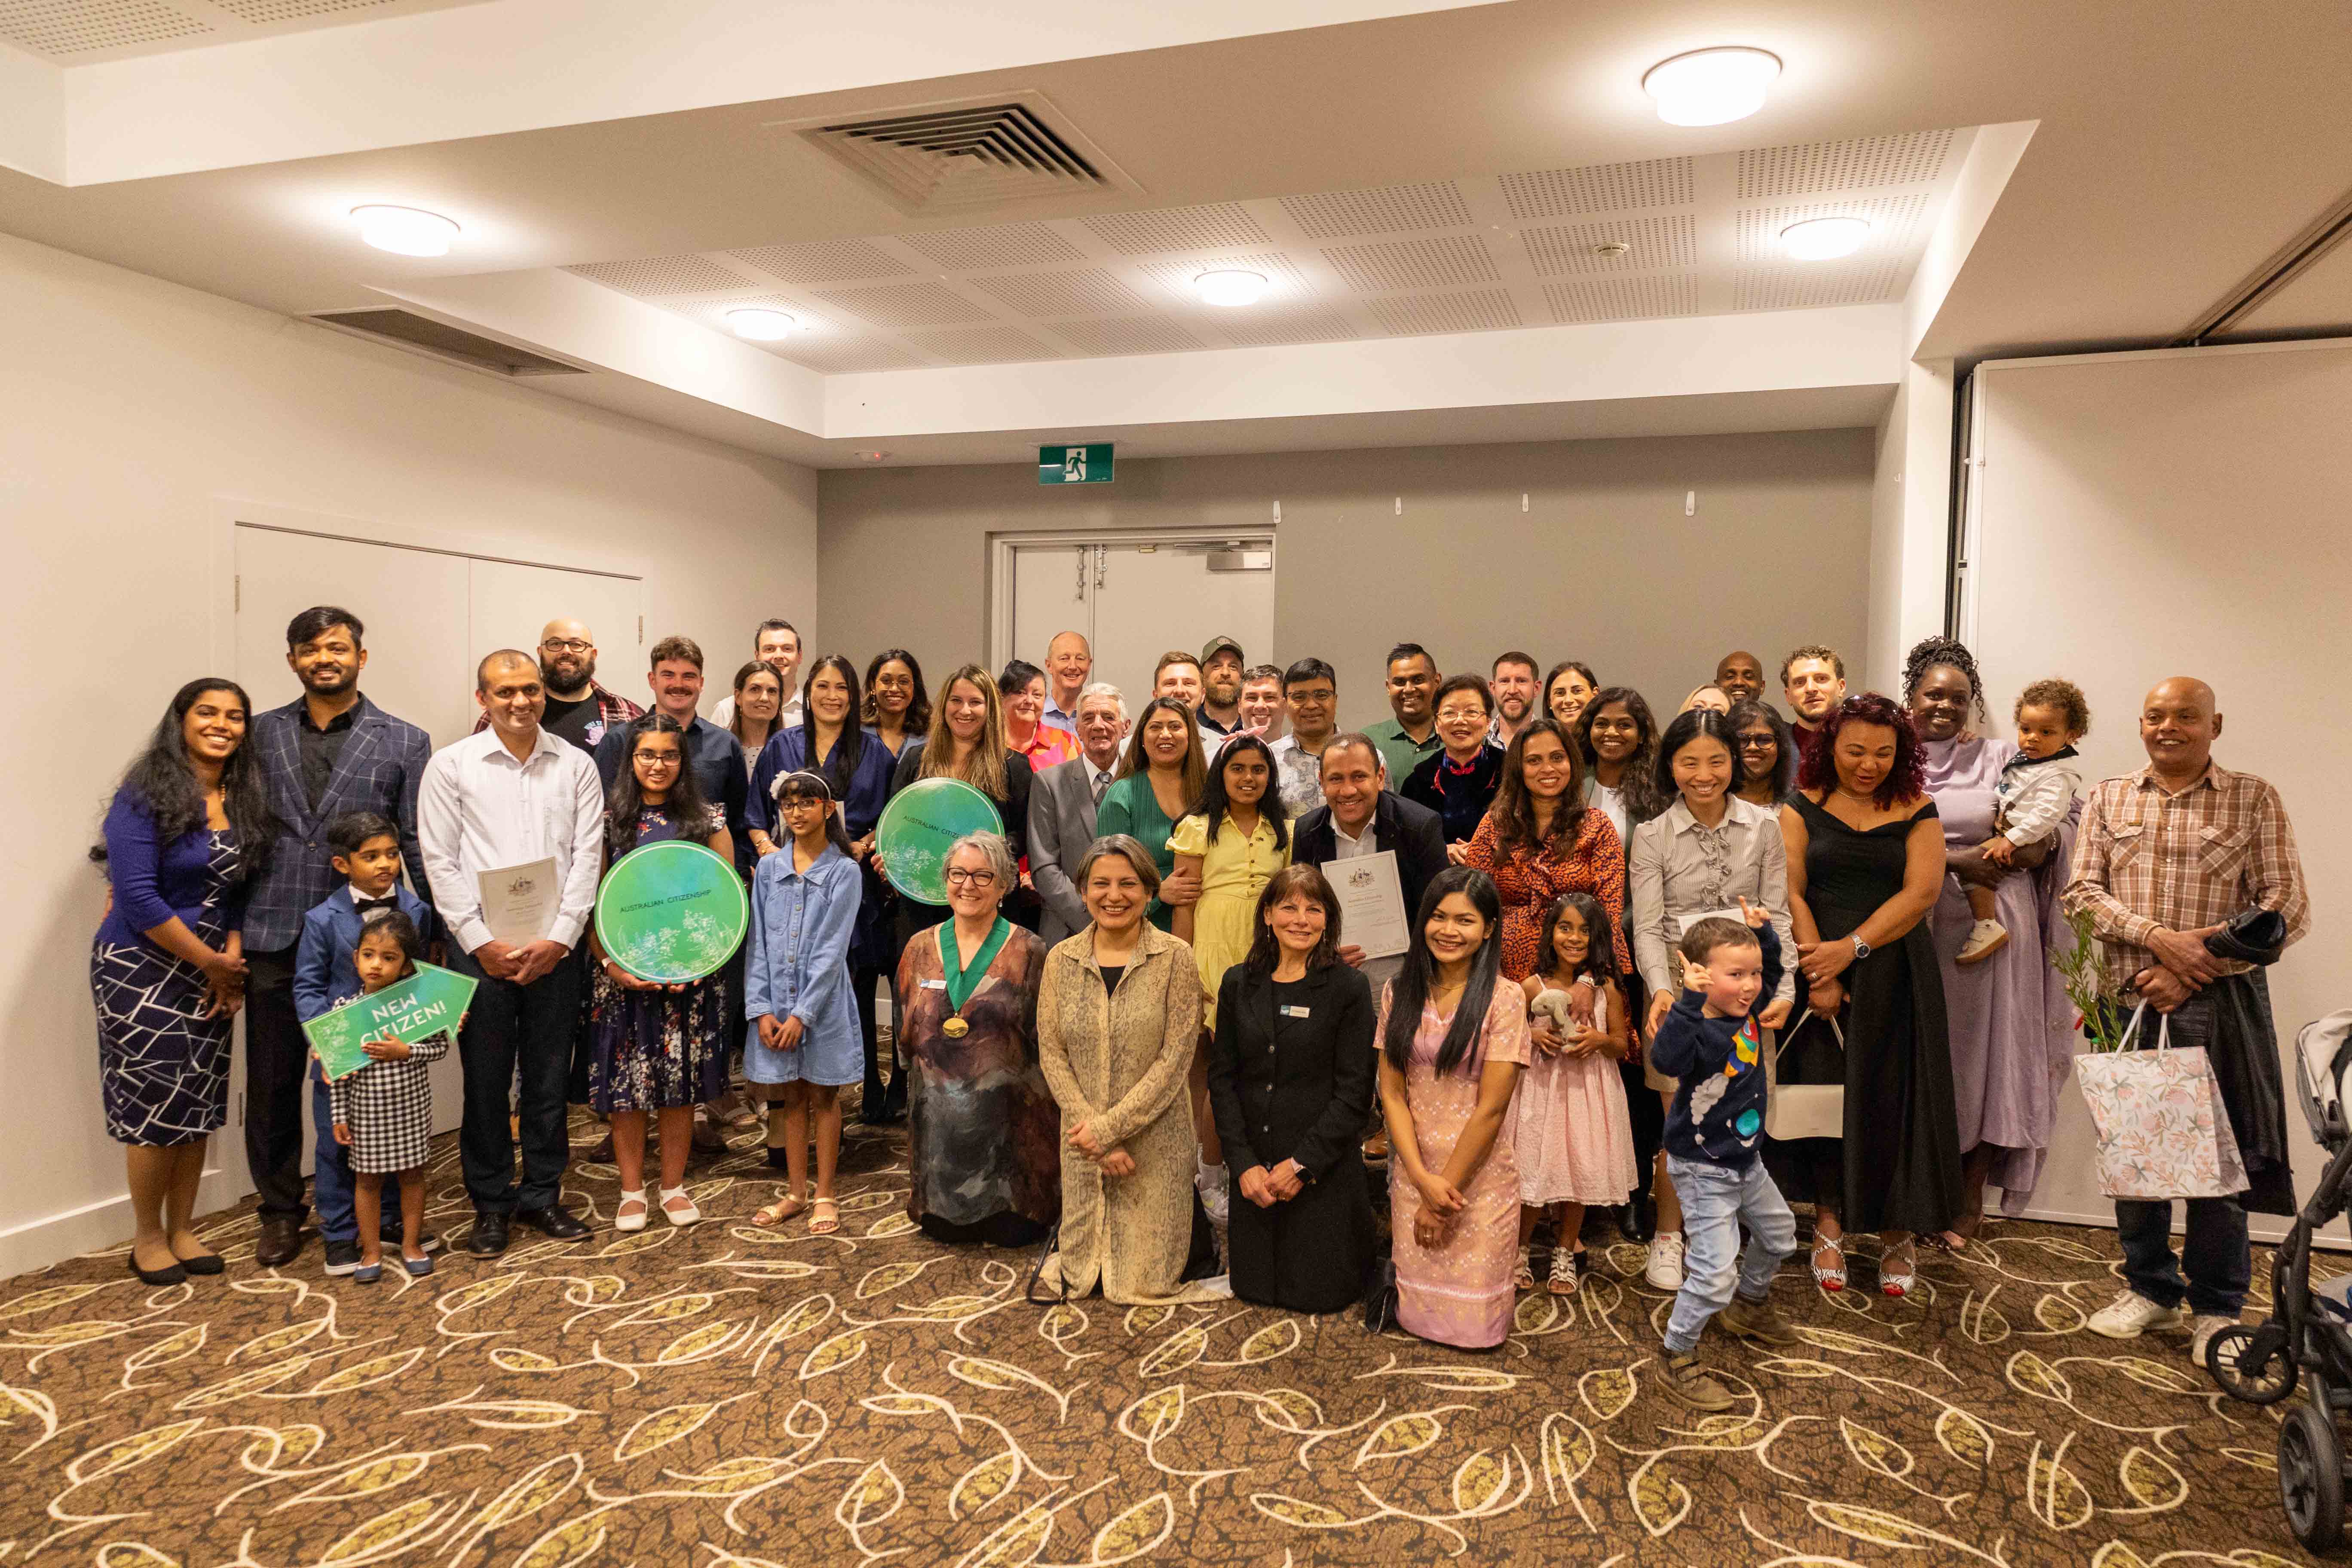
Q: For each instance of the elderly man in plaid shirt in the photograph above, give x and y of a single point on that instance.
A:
(2165, 857)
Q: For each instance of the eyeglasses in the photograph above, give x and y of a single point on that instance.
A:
(657, 759)
(567, 645)
(1751, 742)
(958, 876)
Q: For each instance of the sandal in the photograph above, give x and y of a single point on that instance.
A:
(625, 1216)
(1897, 1270)
(1831, 1275)
(1567, 1270)
(824, 1218)
(1523, 1277)
(779, 1211)
(677, 1208)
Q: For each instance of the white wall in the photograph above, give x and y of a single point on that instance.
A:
(1910, 525)
(2181, 512)
(133, 413)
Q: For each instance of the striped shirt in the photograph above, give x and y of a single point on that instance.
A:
(2145, 859)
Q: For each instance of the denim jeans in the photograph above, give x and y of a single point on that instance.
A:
(1716, 1200)
(2215, 1253)
(330, 1173)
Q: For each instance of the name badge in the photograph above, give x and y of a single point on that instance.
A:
(1290, 1012)
(935, 985)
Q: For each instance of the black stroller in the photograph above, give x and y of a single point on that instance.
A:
(2306, 1341)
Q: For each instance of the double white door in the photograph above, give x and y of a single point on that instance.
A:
(1135, 600)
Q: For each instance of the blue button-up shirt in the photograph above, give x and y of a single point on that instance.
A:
(796, 962)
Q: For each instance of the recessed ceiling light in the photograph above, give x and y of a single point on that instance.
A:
(761, 326)
(1711, 87)
(1231, 286)
(1824, 239)
(406, 231)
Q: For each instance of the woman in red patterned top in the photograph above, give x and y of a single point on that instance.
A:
(1540, 840)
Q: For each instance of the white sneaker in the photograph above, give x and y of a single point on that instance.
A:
(1213, 1182)
(2131, 1314)
(1664, 1268)
(1985, 939)
(2202, 1329)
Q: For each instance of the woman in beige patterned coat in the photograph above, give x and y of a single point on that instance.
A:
(1118, 1013)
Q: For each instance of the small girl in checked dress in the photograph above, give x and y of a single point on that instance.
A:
(383, 1113)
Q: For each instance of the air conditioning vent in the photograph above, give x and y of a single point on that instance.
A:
(978, 152)
(422, 334)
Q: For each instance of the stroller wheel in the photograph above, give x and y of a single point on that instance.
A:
(2251, 1362)
(2311, 1477)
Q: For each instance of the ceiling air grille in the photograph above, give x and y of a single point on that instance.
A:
(420, 334)
(969, 155)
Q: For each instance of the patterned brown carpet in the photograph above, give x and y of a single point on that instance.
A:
(731, 1397)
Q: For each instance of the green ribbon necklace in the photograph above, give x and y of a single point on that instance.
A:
(962, 982)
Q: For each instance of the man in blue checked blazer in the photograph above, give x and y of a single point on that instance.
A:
(329, 752)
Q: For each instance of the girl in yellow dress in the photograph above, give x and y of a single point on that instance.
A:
(1234, 859)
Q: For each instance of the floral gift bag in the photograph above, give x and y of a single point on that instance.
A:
(2163, 1129)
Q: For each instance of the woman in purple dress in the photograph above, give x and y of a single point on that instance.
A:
(2011, 1023)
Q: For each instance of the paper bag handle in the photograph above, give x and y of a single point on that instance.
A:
(2163, 1029)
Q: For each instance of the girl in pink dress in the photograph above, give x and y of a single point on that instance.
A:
(1454, 1039)
(1572, 1134)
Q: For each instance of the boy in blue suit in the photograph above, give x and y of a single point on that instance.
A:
(367, 855)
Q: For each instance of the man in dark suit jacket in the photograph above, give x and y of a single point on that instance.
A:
(1355, 803)
(1062, 810)
(329, 752)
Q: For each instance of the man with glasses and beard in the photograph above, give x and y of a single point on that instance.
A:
(329, 752)
(577, 709)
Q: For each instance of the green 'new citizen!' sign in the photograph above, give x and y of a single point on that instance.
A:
(1074, 465)
(424, 1003)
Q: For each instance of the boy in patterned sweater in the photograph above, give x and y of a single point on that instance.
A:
(1712, 1043)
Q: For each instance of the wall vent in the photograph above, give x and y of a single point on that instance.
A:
(421, 335)
(976, 153)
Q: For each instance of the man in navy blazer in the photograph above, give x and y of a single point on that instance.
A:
(329, 752)
(1372, 818)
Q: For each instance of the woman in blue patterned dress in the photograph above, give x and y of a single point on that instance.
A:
(656, 1047)
(187, 832)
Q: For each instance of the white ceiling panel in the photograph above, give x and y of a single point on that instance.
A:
(1624, 241)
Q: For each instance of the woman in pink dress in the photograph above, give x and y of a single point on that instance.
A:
(1454, 1039)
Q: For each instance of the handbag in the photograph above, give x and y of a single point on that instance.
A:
(1793, 1110)
(2163, 1129)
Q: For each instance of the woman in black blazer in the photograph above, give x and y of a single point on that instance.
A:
(1290, 1080)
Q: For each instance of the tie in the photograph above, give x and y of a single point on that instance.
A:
(368, 906)
(1102, 783)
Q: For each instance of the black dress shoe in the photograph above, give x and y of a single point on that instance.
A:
(280, 1243)
(489, 1236)
(553, 1221)
(174, 1275)
(1633, 1225)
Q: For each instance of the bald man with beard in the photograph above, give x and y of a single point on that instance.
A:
(2167, 856)
(577, 709)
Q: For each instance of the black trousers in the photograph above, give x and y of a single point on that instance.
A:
(517, 1036)
(277, 1093)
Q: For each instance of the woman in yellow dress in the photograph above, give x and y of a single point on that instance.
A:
(1233, 842)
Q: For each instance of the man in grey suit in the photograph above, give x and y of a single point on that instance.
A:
(329, 752)
(1062, 809)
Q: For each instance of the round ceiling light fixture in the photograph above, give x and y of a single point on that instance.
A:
(759, 324)
(1231, 286)
(1824, 239)
(406, 231)
(1711, 87)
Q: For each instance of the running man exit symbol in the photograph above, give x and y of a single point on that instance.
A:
(1074, 465)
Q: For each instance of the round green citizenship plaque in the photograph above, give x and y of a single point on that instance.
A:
(918, 827)
(671, 912)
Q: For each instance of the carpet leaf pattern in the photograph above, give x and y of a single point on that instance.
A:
(737, 1395)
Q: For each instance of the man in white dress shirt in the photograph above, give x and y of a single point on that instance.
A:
(1062, 803)
(504, 796)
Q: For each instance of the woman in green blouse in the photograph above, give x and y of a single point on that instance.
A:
(1160, 778)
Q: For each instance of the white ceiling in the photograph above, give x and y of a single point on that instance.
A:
(2107, 197)
(81, 32)
(1530, 248)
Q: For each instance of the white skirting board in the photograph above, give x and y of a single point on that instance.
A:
(93, 1227)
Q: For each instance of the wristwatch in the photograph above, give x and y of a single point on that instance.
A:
(1860, 948)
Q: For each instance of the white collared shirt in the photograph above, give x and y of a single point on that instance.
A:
(1346, 848)
(478, 809)
(788, 717)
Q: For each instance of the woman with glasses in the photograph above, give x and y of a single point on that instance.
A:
(1768, 756)
(984, 1135)
(1459, 783)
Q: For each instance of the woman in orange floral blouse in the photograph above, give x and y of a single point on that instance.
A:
(1540, 840)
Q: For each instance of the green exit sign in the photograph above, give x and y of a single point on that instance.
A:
(1073, 465)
